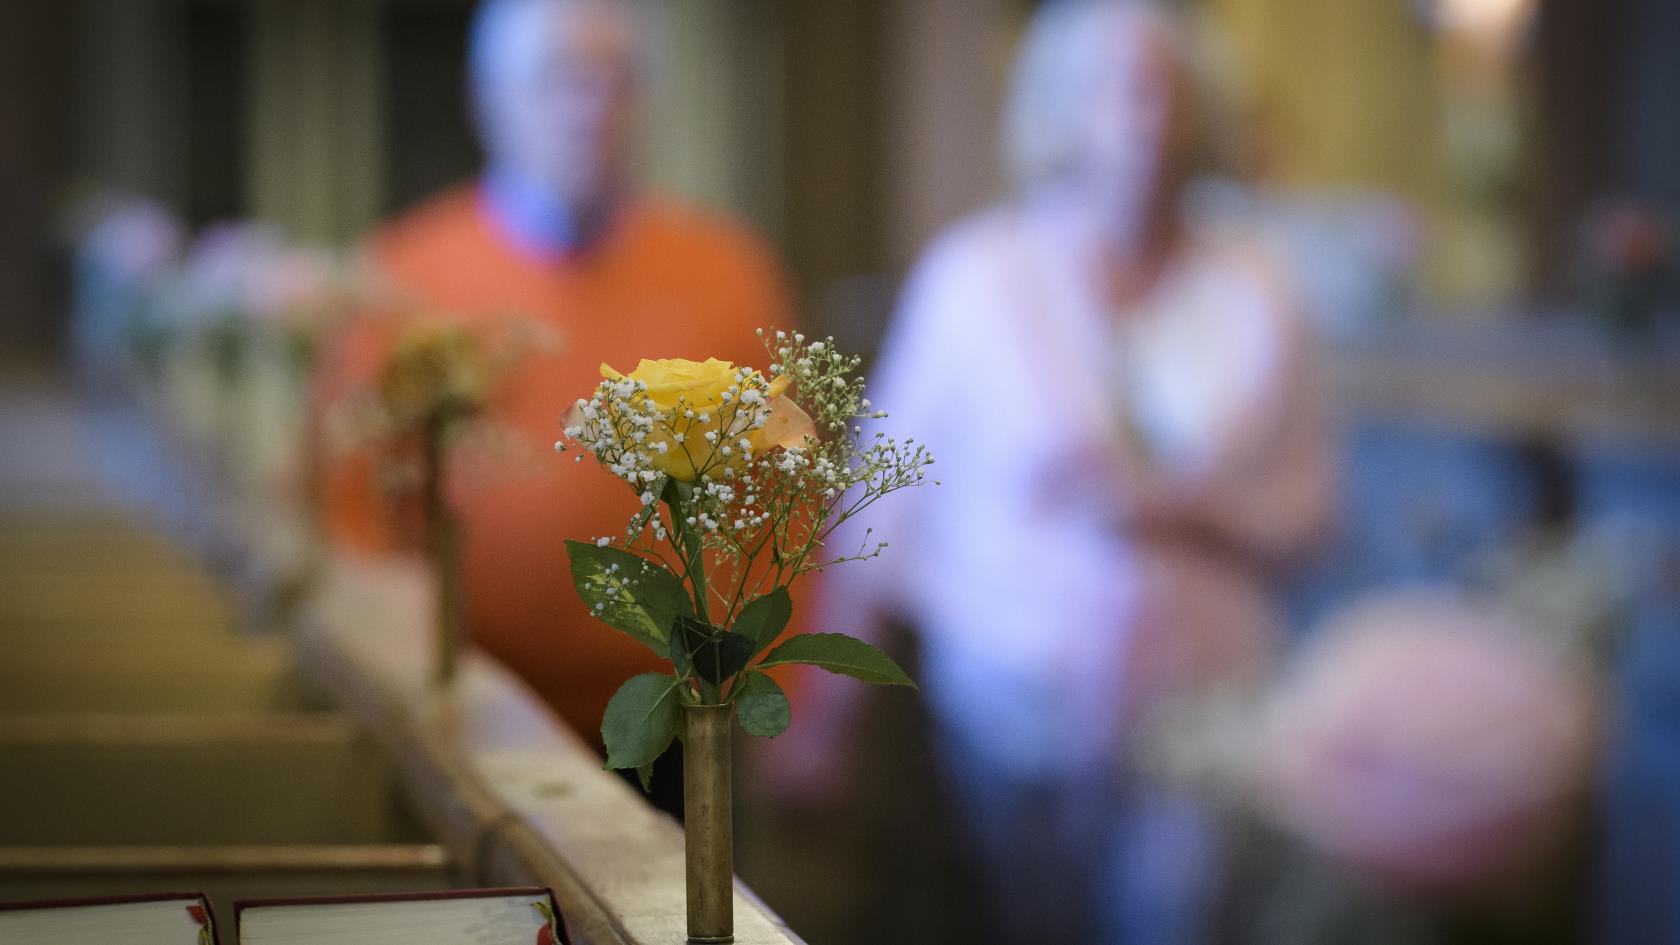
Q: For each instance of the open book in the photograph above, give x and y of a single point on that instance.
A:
(465, 917)
(161, 919)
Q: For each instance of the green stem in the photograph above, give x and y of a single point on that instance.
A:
(694, 563)
(693, 555)
(697, 574)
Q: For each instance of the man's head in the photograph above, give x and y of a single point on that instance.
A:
(555, 87)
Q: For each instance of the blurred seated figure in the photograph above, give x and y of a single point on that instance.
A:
(1421, 776)
(555, 230)
(1130, 444)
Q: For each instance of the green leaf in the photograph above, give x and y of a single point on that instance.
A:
(709, 652)
(676, 492)
(761, 706)
(644, 774)
(642, 718)
(639, 598)
(839, 653)
(683, 633)
(764, 618)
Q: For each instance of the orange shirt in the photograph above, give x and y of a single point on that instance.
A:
(661, 281)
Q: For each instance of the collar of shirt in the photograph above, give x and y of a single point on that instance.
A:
(539, 225)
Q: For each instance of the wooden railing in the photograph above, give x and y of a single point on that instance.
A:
(513, 794)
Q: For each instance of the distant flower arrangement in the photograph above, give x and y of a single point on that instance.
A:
(1625, 265)
(437, 374)
(435, 378)
(243, 282)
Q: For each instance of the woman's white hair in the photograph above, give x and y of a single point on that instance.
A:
(1046, 100)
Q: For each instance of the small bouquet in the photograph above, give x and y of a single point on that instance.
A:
(437, 376)
(742, 477)
(249, 308)
(216, 298)
(126, 247)
(244, 286)
(433, 386)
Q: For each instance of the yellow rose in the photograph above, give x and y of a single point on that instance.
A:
(673, 380)
(677, 384)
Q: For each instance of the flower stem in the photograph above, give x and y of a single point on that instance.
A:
(693, 554)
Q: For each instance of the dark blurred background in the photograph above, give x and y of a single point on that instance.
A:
(1480, 198)
(847, 131)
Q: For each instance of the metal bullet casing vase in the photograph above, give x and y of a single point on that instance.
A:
(708, 820)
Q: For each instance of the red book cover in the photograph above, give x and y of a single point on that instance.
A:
(196, 905)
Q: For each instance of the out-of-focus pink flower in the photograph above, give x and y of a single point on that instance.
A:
(247, 270)
(1429, 746)
(297, 286)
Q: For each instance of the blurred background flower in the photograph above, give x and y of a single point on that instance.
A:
(1429, 745)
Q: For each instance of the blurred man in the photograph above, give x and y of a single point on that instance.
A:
(1130, 444)
(554, 230)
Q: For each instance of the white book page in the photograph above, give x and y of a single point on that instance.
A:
(165, 922)
(496, 920)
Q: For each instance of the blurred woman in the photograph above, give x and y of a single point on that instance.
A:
(1123, 408)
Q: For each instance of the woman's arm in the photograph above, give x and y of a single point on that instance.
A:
(1269, 492)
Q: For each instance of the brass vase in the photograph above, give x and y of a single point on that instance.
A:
(443, 544)
(708, 820)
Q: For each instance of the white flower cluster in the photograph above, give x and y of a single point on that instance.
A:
(640, 440)
(615, 586)
(846, 472)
